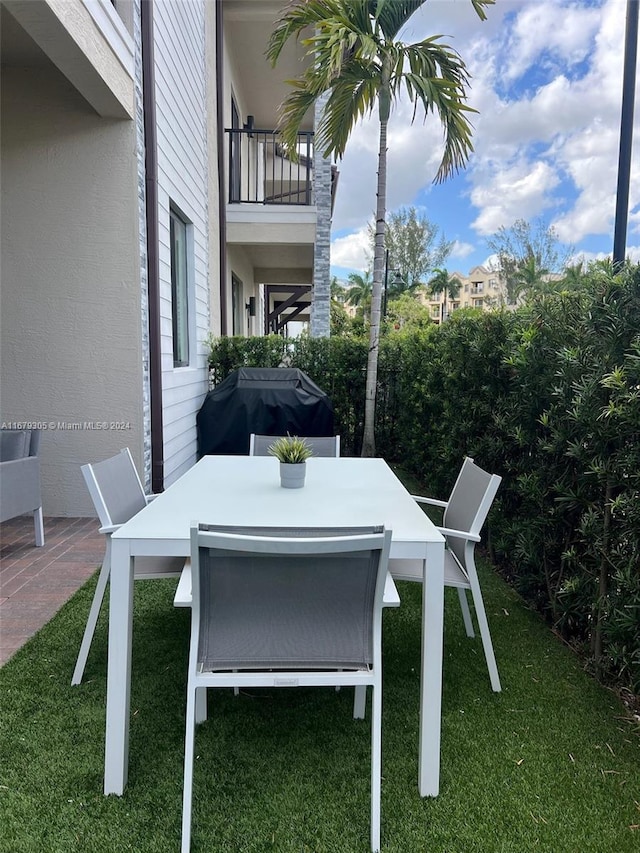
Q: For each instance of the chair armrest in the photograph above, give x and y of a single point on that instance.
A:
(390, 597)
(432, 501)
(20, 490)
(459, 534)
(182, 597)
(109, 528)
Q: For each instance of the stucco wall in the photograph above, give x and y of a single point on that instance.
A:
(70, 298)
(239, 263)
(89, 44)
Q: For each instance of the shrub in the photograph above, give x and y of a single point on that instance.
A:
(549, 398)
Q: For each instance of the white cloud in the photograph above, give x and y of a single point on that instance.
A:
(414, 152)
(517, 192)
(351, 251)
(565, 131)
(553, 28)
(461, 250)
(547, 81)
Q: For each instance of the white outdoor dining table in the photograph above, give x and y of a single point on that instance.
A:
(246, 490)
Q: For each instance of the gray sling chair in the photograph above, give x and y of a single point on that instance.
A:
(321, 445)
(20, 489)
(464, 514)
(117, 495)
(286, 607)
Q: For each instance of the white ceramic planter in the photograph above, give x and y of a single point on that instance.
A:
(292, 475)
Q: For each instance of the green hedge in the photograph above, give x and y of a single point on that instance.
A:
(549, 398)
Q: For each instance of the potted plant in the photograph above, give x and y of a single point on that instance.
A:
(292, 452)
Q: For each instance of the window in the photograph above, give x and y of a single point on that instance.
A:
(236, 305)
(478, 303)
(179, 289)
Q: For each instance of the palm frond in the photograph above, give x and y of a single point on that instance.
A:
(392, 15)
(352, 96)
(478, 6)
(298, 16)
(354, 59)
(437, 79)
(292, 112)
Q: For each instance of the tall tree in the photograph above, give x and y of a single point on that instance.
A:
(415, 247)
(525, 253)
(530, 276)
(574, 276)
(338, 291)
(359, 291)
(356, 57)
(443, 283)
(407, 312)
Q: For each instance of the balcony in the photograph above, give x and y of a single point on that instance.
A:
(260, 173)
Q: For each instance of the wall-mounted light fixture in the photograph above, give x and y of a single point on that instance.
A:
(251, 306)
(249, 125)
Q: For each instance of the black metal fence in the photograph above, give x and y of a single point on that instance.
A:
(260, 172)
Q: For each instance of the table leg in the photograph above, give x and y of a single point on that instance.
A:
(431, 675)
(116, 755)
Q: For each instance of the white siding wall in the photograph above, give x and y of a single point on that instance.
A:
(183, 174)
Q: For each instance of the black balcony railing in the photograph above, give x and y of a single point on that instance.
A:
(260, 172)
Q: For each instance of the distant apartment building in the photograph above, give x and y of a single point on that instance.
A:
(145, 203)
(482, 288)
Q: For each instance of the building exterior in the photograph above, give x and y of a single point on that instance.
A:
(277, 213)
(144, 205)
(483, 288)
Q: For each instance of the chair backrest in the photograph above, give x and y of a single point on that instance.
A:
(115, 488)
(18, 444)
(325, 445)
(469, 503)
(287, 599)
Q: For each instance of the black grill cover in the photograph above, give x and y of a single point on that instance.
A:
(264, 400)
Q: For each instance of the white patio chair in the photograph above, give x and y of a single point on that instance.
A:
(321, 445)
(464, 514)
(286, 608)
(117, 495)
(20, 490)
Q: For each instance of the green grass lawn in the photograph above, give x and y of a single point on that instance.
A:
(551, 764)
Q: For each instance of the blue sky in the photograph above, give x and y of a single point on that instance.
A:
(547, 82)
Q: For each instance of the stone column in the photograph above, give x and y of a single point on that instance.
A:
(321, 296)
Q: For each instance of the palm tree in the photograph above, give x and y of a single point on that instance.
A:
(443, 283)
(357, 62)
(574, 276)
(530, 277)
(359, 292)
(338, 291)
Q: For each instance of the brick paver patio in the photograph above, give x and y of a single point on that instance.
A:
(36, 582)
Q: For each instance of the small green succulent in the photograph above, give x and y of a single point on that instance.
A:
(291, 449)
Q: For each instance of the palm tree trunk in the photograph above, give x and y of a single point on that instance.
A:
(369, 440)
